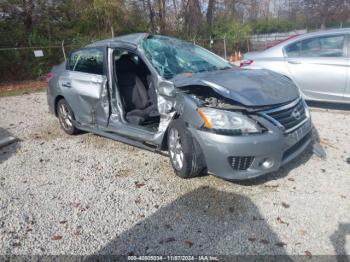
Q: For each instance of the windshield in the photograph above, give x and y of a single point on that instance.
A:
(171, 57)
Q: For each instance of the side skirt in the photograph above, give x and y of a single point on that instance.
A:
(119, 138)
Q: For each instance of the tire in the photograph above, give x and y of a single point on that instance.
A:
(66, 117)
(182, 146)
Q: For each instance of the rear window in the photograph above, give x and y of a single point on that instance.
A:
(323, 46)
(86, 61)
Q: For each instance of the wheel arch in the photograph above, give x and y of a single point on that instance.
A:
(57, 99)
(164, 143)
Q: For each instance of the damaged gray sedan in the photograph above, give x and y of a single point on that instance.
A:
(160, 93)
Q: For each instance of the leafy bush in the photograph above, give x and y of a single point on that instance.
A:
(272, 26)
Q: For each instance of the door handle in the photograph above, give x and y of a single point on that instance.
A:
(294, 62)
(67, 84)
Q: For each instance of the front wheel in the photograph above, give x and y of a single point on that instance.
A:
(185, 153)
(66, 117)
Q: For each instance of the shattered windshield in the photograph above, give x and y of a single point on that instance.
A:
(171, 57)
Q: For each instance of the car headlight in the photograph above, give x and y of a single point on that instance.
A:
(227, 121)
(306, 107)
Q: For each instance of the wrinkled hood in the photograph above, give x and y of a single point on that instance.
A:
(248, 87)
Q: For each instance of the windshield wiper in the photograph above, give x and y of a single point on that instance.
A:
(225, 68)
(207, 69)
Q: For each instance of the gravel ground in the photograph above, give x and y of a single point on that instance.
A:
(87, 195)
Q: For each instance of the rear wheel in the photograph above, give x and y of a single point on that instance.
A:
(185, 153)
(66, 117)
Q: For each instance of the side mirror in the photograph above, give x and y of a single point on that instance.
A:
(166, 88)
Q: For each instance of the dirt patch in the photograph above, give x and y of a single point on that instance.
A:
(8, 89)
(49, 132)
(124, 173)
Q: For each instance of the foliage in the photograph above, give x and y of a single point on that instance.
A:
(41, 24)
(232, 30)
(273, 26)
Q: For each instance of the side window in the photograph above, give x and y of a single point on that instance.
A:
(323, 46)
(87, 61)
(72, 60)
(293, 50)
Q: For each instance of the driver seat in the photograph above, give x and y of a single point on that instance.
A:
(134, 95)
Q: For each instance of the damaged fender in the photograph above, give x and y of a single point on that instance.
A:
(186, 108)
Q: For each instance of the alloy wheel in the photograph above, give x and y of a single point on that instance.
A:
(175, 149)
(65, 116)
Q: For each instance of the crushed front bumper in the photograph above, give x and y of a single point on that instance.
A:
(256, 154)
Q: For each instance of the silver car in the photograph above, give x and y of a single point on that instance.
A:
(318, 63)
(160, 93)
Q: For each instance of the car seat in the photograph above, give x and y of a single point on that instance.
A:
(134, 95)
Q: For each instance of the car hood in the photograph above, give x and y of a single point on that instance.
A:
(245, 86)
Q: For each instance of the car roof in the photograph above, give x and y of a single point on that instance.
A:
(276, 51)
(131, 39)
(316, 33)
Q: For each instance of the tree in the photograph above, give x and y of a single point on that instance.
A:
(320, 12)
(162, 16)
(192, 15)
(210, 14)
(151, 16)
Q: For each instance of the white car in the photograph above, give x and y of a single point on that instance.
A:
(318, 63)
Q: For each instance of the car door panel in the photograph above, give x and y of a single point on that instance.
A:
(319, 67)
(319, 78)
(347, 89)
(87, 95)
(82, 92)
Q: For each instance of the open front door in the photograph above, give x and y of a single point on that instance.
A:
(85, 86)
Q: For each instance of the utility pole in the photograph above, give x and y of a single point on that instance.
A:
(63, 51)
(112, 30)
(225, 47)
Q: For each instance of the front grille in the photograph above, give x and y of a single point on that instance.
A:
(289, 116)
(240, 162)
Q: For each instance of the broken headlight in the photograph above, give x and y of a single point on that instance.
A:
(228, 122)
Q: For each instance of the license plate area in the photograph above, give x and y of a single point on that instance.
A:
(298, 134)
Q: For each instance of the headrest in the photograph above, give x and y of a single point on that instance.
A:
(125, 64)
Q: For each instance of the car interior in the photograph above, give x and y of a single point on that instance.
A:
(136, 90)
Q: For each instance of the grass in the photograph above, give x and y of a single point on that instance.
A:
(21, 92)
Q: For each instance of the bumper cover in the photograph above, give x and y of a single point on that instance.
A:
(274, 146)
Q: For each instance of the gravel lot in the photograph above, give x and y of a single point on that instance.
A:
(85, 194)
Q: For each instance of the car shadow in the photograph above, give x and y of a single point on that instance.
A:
(285, 170)
(205, 221)
(7, 151)
(338, 239)
(329, 105)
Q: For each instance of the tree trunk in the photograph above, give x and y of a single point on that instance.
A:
(253, 10)
(193, 16)
(324, 14)
(151, 16)
(210, 14)
(162, 20)
(28, 7)
(175, 6)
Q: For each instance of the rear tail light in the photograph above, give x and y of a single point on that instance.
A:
(49, 76)
(246, 62)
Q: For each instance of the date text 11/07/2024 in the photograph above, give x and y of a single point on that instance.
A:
(173, 258)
